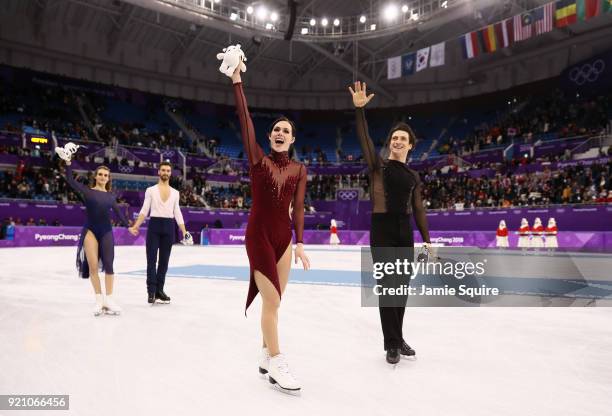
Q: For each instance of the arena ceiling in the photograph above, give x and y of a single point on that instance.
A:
(301, 66)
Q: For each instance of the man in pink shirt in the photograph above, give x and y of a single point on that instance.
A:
(163, 202)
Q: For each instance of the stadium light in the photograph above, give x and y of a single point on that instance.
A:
(405, 8)
(444, 4)
(313, 22)
(336, 22)
(274, 16)
(269, 26)
(233, 16)
(262, 12)
(372, 27)
(250, 10)
(390, 12)
(362, 19)
(304, 31)
(217, 1)
(415, 15)
(324, 22)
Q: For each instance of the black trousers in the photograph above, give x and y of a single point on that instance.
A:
(160, 237)
(391, 230)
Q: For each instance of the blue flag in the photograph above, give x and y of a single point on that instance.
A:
(408, 64)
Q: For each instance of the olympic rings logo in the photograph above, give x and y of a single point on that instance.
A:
(587, 72)
(125, 169)
(168, 153)
(347, 194)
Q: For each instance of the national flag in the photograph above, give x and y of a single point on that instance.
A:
(585, 9)
(437, 54)
(394, 67)
(422, 59)
(490, 39)
(522, 26)
(408, 64)
(504, 33)
(566, 13)
(469, 42)
(543, 18)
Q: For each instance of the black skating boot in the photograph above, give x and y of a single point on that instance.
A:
(162, 296)
(151, 298)
(393, 356)
(407, 351)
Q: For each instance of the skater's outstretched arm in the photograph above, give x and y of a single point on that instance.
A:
(420, 217)
(360, 100)
(253, 150)
(144, 211)
(76, 185)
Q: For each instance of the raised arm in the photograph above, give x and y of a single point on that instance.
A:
(76, 185)
(360, 100)
(252, 149)
(420, 217)
(298, 205)
(367, 145)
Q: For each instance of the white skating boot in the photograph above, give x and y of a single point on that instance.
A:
(110, 306)
(99, 308)
(264, 361)
(281, 377)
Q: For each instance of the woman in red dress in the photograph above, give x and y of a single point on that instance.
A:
(278, 184)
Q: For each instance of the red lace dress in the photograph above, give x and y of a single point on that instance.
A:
(277, 182)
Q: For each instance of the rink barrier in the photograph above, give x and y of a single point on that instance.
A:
(32, 236)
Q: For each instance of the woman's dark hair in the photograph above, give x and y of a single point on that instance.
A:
(282, 118)
(384, 152)
(292, 153)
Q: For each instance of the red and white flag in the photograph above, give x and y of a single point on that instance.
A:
(543, 18)
(522, 26)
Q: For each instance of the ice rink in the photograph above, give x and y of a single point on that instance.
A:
(198, 355)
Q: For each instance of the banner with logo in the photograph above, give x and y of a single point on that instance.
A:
(30, 236)
(593, 74)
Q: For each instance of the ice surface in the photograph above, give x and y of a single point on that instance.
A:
(198, 355)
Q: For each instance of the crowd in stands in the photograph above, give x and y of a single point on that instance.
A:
(572, 185)
(48, 106)
(523, 122)
(442, 190)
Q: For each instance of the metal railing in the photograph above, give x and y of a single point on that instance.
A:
(274, 23)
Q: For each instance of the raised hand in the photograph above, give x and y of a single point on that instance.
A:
(236, 78)
(360, 96)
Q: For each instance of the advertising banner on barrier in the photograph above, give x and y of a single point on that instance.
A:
(591, 241)
(31, 236)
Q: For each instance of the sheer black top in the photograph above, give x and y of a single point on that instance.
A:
(394, 187)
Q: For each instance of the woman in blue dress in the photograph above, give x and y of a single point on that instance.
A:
(96, 250)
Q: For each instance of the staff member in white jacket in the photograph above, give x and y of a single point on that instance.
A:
(163, 202)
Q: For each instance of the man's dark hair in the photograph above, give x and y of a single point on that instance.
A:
(404, 127)
(165, 163)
